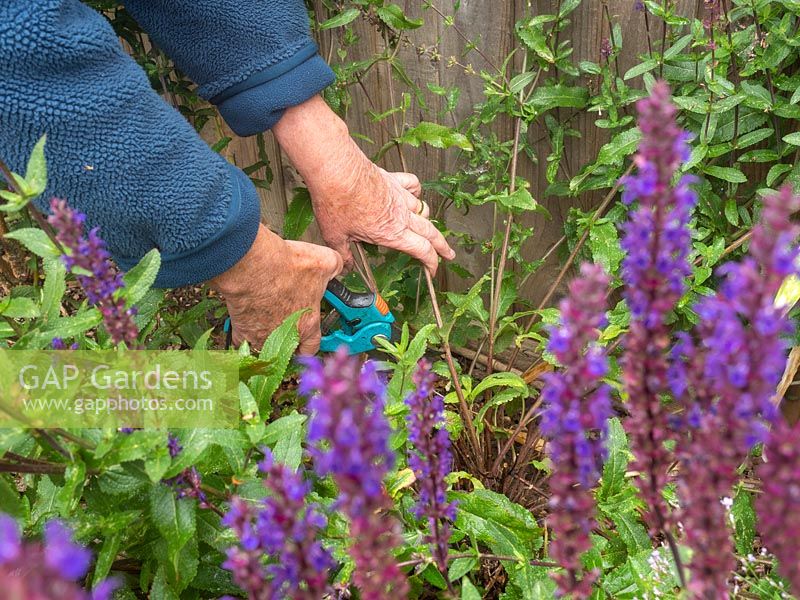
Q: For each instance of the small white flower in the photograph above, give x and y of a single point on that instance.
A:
(727, 502)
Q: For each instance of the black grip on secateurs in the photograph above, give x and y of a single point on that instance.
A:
(349, 297)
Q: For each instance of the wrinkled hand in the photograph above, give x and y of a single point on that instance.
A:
(273, 280)
(354, 199)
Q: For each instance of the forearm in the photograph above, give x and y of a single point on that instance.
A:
(251, 58)
(318, 143)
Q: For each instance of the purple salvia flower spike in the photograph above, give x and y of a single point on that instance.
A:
(44, 571)
(431, 461)
(577, 407)
(736, 367)
(349, 437)
(657, 242)
(62, 555)
(285, 528)
(10, 539)
(89, 253)
(778, 505)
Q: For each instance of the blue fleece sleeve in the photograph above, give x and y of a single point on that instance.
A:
(115, 150)
(251, 58)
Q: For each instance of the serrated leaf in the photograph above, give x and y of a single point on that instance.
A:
(299, 215)
(342, 19)
(141, 278)
(605, 247)
(36, 241)
(395, 17)
(728, 174)
(277, 351)
(175, 520)
(63, 327)
(434, 135)
(621, 145)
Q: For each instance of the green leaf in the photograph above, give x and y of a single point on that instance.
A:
(460, 567)
(728, 174)
(157, 463)
(277, 351)
(518, 83)
(283, 427)
(469, 591)
(753, 137)
(36, 172)
(533, 36)
(732, 211)
(289, 448)
(342, 19)
(604, 245)
(64, 328)
(36, 241)
(792, 138)
(619, 455)
(434, 135)
(18, 308)
(640, 69)
(558, 96)
(394, 17)
(175, 520)
(744, 522)
(678, 46)
(106, 557)
(775, 172)
(494, 520)
(55, 285)
(520, 200)
(631, 531)
(141, 278)
(621, 145)
(299, 215)
(10, 499)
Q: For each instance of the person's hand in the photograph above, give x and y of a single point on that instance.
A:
(354, 199)
(273, 280)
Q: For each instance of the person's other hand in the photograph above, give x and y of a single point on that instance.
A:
(354, 199)
(273, 280)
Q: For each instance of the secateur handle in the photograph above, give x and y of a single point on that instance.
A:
(363, 316)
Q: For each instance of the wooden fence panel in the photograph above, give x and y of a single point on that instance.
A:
(491, 25)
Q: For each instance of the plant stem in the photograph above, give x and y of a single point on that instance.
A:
(480, 556)
(465, 411)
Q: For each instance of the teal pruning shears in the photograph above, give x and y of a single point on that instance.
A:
(362, 317)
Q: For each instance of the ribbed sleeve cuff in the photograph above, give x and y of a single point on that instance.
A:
(256, 104)
(219, 253)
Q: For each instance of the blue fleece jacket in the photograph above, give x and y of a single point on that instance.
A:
(117, 152)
